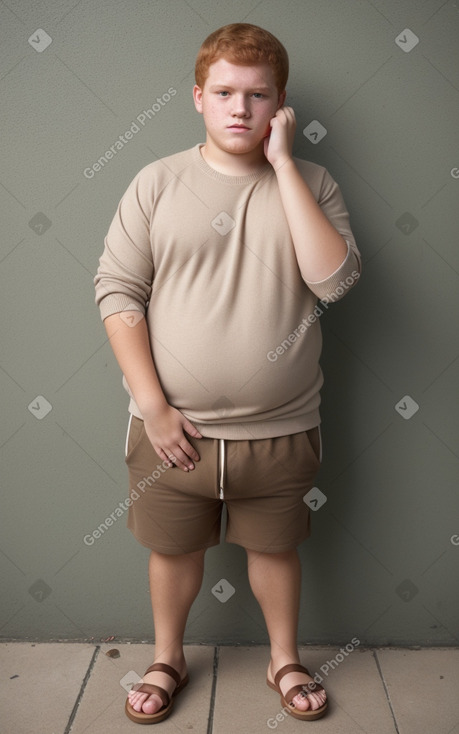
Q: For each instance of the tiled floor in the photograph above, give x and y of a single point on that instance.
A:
(63, 688)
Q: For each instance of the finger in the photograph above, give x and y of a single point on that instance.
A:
(288, 112)
(168, 458)
(180, 458)
(191, 429)
(189, 450)
(290, 118)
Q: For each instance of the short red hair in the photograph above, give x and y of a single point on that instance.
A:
(244, 44)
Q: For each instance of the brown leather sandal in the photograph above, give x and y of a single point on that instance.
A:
(312, 687)
(139, 716)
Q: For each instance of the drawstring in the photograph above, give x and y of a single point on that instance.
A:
(221, 443)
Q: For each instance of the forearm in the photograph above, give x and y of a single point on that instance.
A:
(131, 346)
(319, 248)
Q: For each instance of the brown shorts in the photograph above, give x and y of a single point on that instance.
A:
(261, 481)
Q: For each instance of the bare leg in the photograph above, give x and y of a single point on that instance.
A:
(275, 579)
(175, 582)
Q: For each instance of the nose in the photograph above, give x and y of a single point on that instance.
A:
(240, 106)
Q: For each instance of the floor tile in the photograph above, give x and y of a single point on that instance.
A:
(102, 706)
(244, 703)
(368, 690)
(40, 684)
(423, 689)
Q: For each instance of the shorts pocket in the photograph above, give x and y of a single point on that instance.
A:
(314, 440)
(134, 436)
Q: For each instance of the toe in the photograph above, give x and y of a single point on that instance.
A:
(306, 701)
(301, 702)
(136, 700)
(152, 704)
(144, 703)
(317, 700)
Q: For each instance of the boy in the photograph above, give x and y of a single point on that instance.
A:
(208, 287)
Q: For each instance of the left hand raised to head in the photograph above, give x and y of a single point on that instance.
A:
(279, 143)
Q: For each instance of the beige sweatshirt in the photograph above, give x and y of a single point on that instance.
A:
(234, 329)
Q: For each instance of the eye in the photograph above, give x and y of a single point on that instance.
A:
(258, 95)
(223, 93)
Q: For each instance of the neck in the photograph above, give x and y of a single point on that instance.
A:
(234, 164)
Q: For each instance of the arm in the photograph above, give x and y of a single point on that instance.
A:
(164, 424)
(123, 283)
(319, 248)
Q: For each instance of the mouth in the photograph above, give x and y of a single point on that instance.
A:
(238, 128)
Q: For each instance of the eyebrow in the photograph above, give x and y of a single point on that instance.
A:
(260, 88)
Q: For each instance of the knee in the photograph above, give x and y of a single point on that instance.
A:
(286, 556)
(172, 558)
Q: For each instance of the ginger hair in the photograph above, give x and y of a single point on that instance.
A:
(244, 44)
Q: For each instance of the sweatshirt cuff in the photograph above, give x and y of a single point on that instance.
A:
(117, 302)
(340, 282)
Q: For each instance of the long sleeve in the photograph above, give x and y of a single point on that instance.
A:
(124, 277)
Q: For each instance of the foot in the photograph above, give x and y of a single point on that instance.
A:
(302, 701)
(152, 704)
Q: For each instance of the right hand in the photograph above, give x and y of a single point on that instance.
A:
(165, 429)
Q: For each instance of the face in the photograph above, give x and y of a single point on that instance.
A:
(237, 103)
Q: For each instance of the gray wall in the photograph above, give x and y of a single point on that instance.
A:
(382, 562)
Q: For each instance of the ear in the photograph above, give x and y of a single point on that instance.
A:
(197, 98)
(282, 97)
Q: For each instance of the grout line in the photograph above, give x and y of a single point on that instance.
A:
(81, 691)
(210, 723)
(375, 655)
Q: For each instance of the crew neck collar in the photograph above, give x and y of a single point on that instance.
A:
(223, 177)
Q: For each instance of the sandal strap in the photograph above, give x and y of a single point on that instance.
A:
(291, 668)
(151, 688)
(305, 688)
(164, 668)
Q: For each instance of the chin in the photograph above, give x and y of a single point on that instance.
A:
(240, 147)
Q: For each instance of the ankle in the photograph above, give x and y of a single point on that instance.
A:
(170, 656)
(279, 659)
